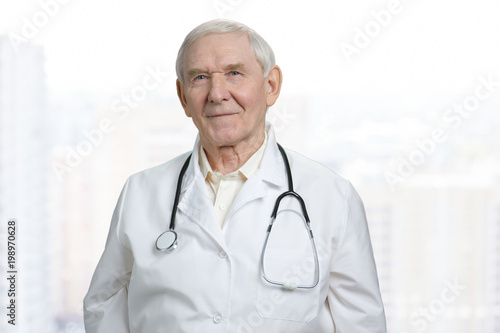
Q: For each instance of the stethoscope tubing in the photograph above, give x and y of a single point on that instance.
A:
(178, 192)
(171, 232)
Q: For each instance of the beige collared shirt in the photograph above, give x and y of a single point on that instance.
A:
(222, 189)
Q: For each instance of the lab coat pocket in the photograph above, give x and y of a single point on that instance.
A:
(295, 304)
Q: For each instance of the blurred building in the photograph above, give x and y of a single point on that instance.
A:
(83, 196)
(23, 183)
(437, 232)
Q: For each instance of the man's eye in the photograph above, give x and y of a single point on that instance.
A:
(201, 77)
(234, 73)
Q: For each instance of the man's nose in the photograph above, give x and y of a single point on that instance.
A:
(218, 89)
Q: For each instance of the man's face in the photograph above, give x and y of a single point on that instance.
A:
(224, 90)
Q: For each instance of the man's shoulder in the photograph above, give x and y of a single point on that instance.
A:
(314, 171)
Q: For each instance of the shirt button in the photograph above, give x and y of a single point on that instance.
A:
(222, 206)
(217, 318)
(222, 254)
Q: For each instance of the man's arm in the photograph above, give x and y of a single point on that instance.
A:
(354, 294)
(105, 305)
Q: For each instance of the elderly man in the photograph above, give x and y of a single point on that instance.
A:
(191, 247)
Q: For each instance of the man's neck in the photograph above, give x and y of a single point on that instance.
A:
(227, 159)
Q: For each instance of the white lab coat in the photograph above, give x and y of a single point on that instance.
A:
(213, 281)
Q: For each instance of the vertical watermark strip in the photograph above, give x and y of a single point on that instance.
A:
(11, 272)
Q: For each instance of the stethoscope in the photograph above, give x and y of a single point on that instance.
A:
(168, 240)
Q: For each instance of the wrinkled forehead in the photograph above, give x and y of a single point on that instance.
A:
(220, 47)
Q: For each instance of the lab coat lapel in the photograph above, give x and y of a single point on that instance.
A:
(270, 173)
(195, 202)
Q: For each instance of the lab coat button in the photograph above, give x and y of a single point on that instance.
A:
(223, 207)
(222, 254)
(217, 318)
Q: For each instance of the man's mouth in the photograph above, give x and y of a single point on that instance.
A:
(222, 115)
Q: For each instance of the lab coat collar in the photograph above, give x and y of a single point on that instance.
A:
(272, 167)
(271, 173)
(194, 200)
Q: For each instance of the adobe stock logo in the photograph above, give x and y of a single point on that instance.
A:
(421, 318)
(363, 37)
(121, 108)
(40, 19)
(280, 118)
(223, 6)
(453, 118)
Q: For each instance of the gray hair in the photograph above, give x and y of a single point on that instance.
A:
(262, 50)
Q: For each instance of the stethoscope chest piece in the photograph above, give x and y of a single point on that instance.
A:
(167, 241)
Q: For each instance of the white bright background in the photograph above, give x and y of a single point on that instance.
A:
(361, 116)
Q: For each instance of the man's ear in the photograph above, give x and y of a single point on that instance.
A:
(182, 97)
(273, 81)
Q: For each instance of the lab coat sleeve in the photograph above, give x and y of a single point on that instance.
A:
(105, 305)
(354, 294)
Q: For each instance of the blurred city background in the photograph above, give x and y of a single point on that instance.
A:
(399, 97)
